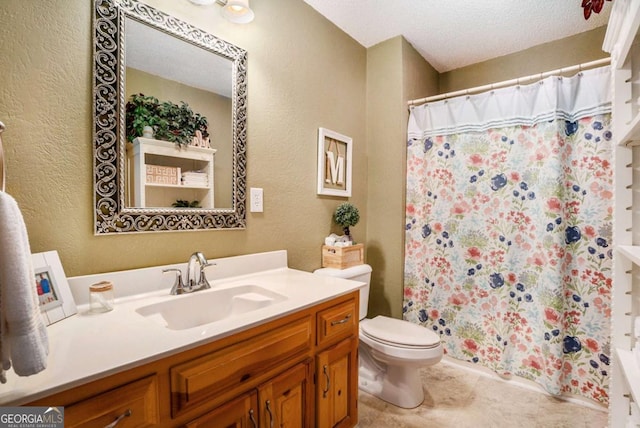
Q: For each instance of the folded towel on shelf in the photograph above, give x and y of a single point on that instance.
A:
(24, 342)
(195, 178)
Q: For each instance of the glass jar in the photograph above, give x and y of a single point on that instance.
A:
(101, 297)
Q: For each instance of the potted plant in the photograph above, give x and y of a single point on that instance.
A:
(346, 215)
(141, 111)
(170, 122)
(181, 203)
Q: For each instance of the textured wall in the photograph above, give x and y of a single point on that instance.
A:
(583, 47)
(395, 73)
(302, 73)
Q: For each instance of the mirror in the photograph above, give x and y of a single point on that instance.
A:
(150, 182)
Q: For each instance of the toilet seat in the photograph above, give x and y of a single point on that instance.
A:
(399, 333)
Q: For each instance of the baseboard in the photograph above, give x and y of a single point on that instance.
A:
(521, 382)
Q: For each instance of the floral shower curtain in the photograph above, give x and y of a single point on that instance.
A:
(508, 230)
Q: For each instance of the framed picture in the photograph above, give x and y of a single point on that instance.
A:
(334, 163)
(54, 295)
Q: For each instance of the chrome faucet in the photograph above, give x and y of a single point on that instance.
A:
(195, 280)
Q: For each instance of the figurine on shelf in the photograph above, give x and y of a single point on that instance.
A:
(199, 141)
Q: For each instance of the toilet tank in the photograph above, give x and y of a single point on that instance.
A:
(361, 273)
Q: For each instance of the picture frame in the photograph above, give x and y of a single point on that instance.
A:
(335, 159)
(54, 295)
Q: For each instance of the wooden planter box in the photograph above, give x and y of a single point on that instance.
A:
(342, 257)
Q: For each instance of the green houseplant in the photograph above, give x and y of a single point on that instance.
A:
(345, 216)
(170, 122)
(181, 203)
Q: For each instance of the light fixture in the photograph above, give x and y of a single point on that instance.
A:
(237, 11)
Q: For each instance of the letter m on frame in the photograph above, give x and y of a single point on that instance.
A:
(334, 163)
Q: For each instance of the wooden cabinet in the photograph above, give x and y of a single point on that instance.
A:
(337, 322)
(281, 402)
(134, 404)
(337, 385)
(198, 381)
(284, 400)
(162, 155)
(240, 412)
(299, 370)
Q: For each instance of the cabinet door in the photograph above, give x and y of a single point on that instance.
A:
(241, 412)
(337, 385)
(134, 405)
(285, 401)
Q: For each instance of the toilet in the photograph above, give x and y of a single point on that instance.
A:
(391, 351)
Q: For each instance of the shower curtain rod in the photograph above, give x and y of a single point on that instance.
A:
(505, 83)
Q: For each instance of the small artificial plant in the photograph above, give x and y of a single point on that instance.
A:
(346, 215)
(170, 122)
(181, 203)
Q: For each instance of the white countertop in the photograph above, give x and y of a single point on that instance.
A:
(85, 347)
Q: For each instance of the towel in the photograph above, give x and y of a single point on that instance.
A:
(23, 335)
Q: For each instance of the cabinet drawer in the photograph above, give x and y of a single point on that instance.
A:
(203, 378)
(138, 399)
(235, 413)
(337, 322)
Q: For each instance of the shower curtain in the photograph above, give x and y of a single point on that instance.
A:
(508, 230)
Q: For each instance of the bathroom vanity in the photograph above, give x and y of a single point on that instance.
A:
(292, 362)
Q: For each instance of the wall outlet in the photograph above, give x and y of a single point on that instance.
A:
(256, 200)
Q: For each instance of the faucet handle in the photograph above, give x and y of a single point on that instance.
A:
(203, 283)
(178, 285)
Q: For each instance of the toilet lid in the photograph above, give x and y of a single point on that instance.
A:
(399, 332)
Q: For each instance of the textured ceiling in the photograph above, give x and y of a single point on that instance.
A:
(451, 34)
(158, 53)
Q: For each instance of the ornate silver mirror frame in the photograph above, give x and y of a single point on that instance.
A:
(111, 215)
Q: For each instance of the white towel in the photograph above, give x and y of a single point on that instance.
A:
(23, 335)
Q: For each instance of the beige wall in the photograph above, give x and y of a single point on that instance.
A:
(395, 73)
(302, 74)
(578, 49)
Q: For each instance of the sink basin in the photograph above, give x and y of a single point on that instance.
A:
(204, 307)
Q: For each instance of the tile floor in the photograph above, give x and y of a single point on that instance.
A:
(459, 398)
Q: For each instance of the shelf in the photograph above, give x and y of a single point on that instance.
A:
(177, 186)
(631, 252)
(631, 137)
(631, 372)
(182, 160)
(632, 23)
(165, 148)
